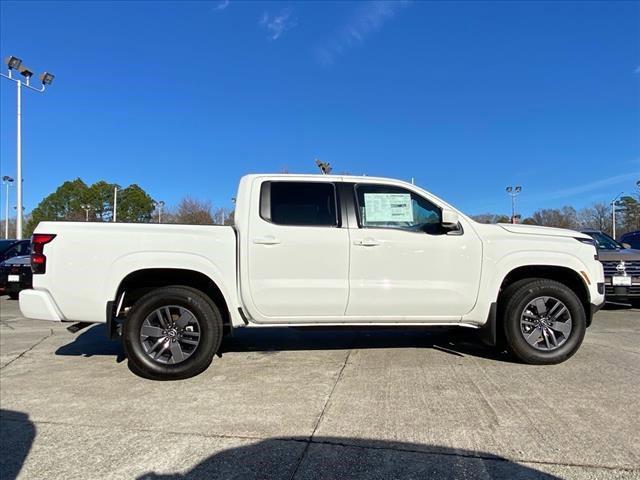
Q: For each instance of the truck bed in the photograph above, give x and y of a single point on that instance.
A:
(86, 262)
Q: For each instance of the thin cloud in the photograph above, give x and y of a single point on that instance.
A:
(222, 5)
(276, 25)
(366, 19)
(593, 186)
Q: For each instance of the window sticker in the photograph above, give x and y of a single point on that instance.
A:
(388, 207)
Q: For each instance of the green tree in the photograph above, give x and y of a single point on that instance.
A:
(63, 204)
(629, 209)
(134, 205)
(101, 200)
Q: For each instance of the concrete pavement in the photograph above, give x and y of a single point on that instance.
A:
(320, 403)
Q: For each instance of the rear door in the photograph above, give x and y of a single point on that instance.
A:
(297, 252)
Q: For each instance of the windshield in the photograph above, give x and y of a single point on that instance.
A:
(604, 241)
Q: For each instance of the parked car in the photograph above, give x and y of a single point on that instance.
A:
(15, 275)
(632, 239)
(621, 267)
(311, 250)
(14, 248)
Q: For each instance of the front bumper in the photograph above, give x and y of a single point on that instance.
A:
(38, 304)
(632, 291)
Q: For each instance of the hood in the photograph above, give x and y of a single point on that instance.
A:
(624, 254)
(537, 230)
(20, 260)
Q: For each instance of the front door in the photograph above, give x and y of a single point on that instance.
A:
(404, 265)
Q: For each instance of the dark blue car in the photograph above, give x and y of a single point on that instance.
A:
(632, 238)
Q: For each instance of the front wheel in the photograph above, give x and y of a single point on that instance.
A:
(544, 321)
(172, 333)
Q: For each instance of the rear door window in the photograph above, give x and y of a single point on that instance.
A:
(300, 204)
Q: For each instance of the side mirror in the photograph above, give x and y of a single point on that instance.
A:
(626, 245)
(450, 218)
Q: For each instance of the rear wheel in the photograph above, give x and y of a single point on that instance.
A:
(544, 321)
(172, 333)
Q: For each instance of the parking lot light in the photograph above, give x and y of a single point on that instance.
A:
(87, 209)
(47, 78)
(159, 205)
(25, 72)
(513, 192)
(15, 63)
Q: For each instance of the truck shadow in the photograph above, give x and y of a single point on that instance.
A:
(17, 433)
(93, 341)
(350, 458)
(267, 340)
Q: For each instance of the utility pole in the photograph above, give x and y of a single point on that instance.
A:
(46, 79)
(115, 204)
(513, 192)
(7, 180)
(613, 215)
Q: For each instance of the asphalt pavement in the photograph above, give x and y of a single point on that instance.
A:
(322, 403)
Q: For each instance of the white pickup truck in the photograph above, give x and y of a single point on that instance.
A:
(316, 249)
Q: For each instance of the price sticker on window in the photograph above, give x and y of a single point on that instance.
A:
(388, 207)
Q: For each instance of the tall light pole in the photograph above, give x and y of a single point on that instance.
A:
(513, 192)
(7, 180)
(613, 215)
(46, 79)
(87, 209)
(159, 205)
(115, 204)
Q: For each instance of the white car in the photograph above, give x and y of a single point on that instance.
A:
(316, 250)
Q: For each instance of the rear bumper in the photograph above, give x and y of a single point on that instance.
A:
(38, 304)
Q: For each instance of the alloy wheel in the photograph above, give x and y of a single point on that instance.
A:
(546, 323)
(170, 334)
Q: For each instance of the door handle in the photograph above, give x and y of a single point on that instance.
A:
(268, 240)
(367, 242)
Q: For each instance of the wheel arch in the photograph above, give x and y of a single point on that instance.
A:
(137, 283)
(565, 275)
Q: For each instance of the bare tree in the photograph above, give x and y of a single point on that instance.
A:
(597, 216)
(222, 215)
(490, 218)
(12, 227)
(565, 217)
(193, 212)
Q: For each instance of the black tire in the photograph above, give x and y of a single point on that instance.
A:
(205, 311)
(516, 298)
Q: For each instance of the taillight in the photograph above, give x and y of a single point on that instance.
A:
(38, 260)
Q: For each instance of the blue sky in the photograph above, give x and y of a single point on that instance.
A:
(466, 97)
